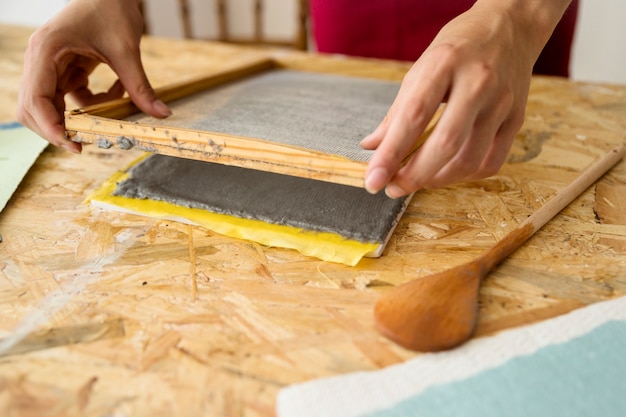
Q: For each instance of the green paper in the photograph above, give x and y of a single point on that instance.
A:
(19, 148)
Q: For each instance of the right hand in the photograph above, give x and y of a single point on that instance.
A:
(480, 64)
(64, 52)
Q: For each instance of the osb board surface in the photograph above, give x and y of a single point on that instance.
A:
(150, 318)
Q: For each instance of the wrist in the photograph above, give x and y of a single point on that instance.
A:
(532, 21)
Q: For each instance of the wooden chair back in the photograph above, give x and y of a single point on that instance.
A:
(259, 36)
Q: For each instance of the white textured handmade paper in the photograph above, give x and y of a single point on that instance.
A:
(572, 365)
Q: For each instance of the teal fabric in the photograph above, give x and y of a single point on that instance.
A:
(585, 376)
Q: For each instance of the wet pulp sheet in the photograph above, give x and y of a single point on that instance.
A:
(329, 221)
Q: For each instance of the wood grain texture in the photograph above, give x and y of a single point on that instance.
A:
(219, 329)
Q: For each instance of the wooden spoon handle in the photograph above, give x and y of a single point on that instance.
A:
(557, 203)
(574, 189)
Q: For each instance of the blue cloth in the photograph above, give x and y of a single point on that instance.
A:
(585, 376)
(572, 365)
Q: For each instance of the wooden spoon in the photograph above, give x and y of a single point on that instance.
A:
(440, 311)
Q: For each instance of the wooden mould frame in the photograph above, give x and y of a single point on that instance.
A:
(102, 124)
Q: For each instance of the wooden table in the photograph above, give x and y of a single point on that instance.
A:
(124, 315)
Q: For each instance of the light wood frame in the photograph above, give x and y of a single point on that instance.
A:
(101, 124)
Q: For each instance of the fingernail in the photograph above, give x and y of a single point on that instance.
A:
(376, 180)
(365, 139)
(162, 108)
(395, 191)
(68, 147)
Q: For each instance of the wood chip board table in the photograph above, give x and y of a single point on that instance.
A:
(155, 318)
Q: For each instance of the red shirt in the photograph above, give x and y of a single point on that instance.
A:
(402, 29)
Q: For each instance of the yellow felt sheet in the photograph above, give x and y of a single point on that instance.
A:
(323, 245)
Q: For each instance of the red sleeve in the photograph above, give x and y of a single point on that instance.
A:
(555, 57)
(402, 29)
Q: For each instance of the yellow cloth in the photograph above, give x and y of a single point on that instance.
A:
(323, 245)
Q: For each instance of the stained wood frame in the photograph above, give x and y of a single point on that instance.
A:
(101, 124)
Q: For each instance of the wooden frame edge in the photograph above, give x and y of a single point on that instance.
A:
(99, 124)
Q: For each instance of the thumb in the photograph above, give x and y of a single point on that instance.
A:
(132, 75)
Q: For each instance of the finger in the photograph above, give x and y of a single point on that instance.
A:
(484, 136)
(466, 162)
(131, 73)
(85, 97)
(441, 146)
(411, 112)
(475, 95)
(40, 104)
(371, 141)
(500, 147)
(452, 131)
(44, 119)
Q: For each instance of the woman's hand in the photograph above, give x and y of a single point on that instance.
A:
(63, 53)
(480, 64)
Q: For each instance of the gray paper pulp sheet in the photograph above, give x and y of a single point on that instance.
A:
(348, 211)
(322, 112)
